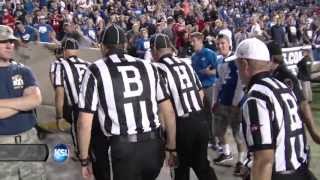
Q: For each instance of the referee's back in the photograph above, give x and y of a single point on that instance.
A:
(126, 88)
(183, 84)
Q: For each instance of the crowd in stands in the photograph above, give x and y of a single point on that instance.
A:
(290, 23)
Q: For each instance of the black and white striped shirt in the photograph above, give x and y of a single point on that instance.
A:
(183, 84)
(69, 74)
(53, 71)
(271, 121)
(125, 92)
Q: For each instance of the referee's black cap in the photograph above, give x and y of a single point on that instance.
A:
(69, 44)
(274, 48)
(159, 41)
(113, 35)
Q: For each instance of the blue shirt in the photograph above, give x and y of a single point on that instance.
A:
(44, 32)
(142, 46)
(200, 61)
(28, 35)
(14, 79)
(229, 87)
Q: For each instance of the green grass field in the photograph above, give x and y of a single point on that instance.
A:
(315, 149)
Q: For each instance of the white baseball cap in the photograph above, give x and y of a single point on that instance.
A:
(251, 48)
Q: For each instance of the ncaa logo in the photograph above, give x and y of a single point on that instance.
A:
(60, 153)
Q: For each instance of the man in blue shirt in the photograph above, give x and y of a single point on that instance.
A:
(19, 95)
(204, 63)
(45, 30)
(26, 33)
(227, 112)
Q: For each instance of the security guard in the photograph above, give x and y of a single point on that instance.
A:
(19, 95)
(125, 92)
(68, 77)
(272, 126)
(281, 72)
(186, 95)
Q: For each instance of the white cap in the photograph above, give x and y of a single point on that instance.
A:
(252, 48)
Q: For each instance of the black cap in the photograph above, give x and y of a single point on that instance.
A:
(69, 43)
(274, 48)
(159, 41)
(113, 35)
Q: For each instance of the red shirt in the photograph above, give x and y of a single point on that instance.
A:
(179, 30)
(8, 20)
(56, 21)
(201, 24)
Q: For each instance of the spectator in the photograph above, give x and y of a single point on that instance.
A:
(169, 29)
(304, 75)
(8, 19)
(56, 21)
(278, 34)
(226, 31)
(293, 32)
(316, 44)
(255, 29)
(204, 63)
(26, 33)
(143, 43)
(45, 30)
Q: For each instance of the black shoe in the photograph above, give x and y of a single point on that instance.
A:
(223, 158)
(237, 169)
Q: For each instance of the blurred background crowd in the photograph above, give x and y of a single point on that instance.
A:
(288, 22)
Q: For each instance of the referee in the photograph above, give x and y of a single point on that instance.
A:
(281, 72)
(68, 77)
(186, 95)
(272, 127)
(125, 92)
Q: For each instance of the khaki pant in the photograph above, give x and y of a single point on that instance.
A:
(22, 170)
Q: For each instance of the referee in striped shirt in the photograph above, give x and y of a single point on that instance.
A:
(272, 126)
(125, 92)
(186, 95)
(68, 77)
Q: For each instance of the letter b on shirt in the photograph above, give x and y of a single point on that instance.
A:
(132, 81)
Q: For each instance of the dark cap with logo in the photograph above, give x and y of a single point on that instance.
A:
(159, 41)
(69, 43)
(113, 35)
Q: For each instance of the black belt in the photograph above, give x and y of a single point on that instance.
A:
(137, 137)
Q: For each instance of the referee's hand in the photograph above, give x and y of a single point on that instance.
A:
(87, 172)
(172, 159)
(59, 121)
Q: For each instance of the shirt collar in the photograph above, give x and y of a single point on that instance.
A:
(258, 77)
(168, 55)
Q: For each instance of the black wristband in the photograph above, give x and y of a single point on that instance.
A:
(170, 150)
(84, 162)
(59, 117)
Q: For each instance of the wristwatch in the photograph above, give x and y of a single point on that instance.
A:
(84, 162)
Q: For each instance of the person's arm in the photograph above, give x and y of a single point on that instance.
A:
(59, 101)
(262, 165)
(7, 112)
(87, 106)
(169, 119)
(30, 99)
(210, 70)
(84, 126)
(308, 119)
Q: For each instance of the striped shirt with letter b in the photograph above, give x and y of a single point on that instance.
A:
(271, 121)
(183, 84)
(125, 92)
